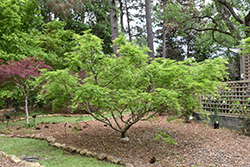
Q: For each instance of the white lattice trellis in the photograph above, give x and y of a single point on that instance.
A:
(232, 100)
(246, 67)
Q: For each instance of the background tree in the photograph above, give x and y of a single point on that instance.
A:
(81, 16)
(164, 31)
(21, 73)
(55, 42)
(18, 20)
(113, 22)
(206, 30)
(128, 21)
(150, 39)
(18, 23)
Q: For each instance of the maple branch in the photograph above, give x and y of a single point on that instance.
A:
(21, 87)
(247, 19)
(229, 7)
(215, 38)
(208, 29)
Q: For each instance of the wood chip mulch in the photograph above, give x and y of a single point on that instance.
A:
(197, 143)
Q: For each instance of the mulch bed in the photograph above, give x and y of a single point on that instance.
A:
(197, 143)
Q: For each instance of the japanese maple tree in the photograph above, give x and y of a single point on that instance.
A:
(128, 88)
(22, 73)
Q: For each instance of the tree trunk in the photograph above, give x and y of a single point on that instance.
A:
(164, 33)
(123, 134)
(149, 29)
(128, 21)
(113, 22)
(164, 43)
(26, 109)
(121, 16)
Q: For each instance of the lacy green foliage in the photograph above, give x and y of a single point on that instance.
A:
(245, 46)
(86, 55)
(129, 84)
(18, 19)
(245, 119)
(165, 137)
(59, 87)
(5, 94)
(55, 41)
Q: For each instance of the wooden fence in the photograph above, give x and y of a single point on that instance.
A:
(233, 100)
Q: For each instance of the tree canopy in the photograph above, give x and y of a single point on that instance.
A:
(128, 84)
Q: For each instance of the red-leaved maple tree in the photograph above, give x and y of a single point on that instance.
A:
(21, 73)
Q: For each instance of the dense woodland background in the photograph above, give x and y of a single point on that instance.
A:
(171, 29)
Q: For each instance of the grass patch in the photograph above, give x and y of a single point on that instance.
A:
(57, 119)
(38, 120)
(49, 156)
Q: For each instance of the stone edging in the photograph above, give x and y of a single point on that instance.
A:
(71, 149)
(15, 159)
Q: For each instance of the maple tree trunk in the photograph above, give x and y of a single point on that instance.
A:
(26, 109)
(123, 134)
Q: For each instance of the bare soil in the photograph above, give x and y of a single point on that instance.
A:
(197, 143)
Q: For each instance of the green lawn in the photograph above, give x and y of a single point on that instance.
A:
(38, 120)
(50, 156)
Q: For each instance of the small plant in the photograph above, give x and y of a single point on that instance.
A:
(179, 121)
(205, 117)
(29, 125)
(166, 138)
(5, 131)
(107, 147)
(245, 120)
(245, 123)
(216, 116)
(76, 128)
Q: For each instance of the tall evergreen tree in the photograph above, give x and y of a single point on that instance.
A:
(150, 39)
(81, 15)
(114, 25)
